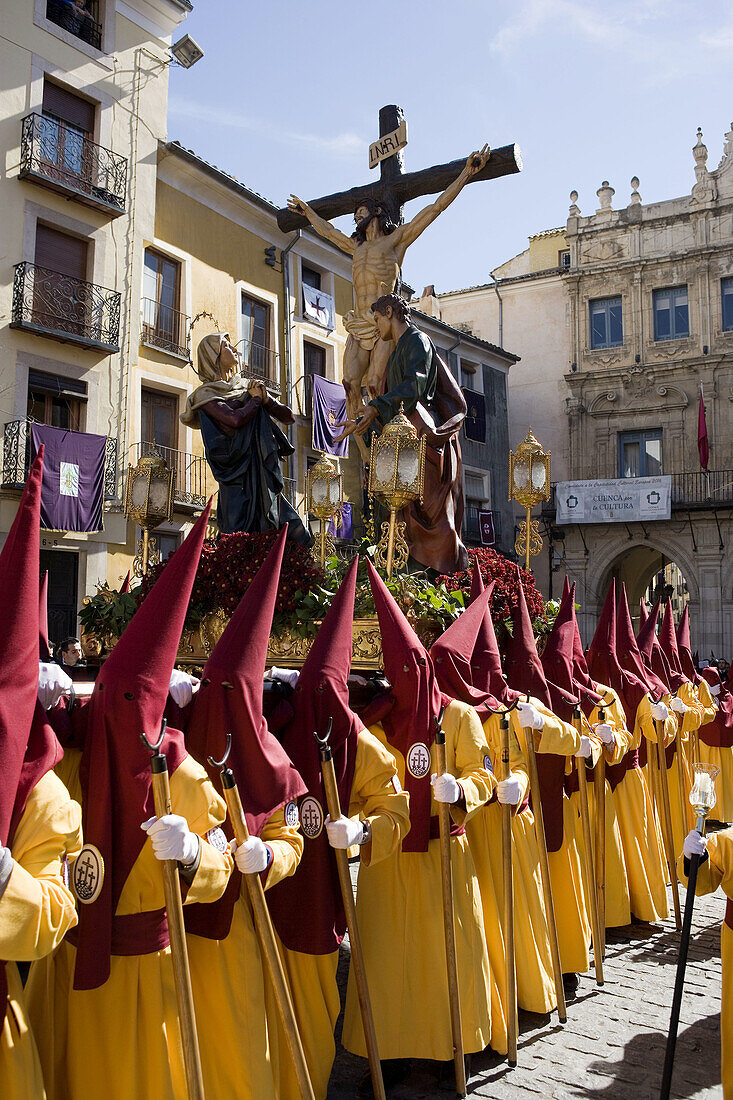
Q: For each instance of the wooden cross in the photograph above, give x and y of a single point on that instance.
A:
(395, 187)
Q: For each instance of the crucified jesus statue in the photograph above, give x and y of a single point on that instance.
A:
(378, 248)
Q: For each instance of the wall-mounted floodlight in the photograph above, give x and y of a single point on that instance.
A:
(186, 51)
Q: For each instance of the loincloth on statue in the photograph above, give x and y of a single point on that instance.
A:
(363, 328)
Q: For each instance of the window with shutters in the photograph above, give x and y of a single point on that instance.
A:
(477, 496)
(310, 277)
(257, 359)
(314, 362)
(640, 453)
(56, 400)
(159, 421)
(163, 324)
(671, 313)
(67, 122)
(60, 300)
(78, 17)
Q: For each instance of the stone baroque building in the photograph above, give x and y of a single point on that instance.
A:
(645, 320)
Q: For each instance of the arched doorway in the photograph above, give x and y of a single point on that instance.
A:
(648, 574)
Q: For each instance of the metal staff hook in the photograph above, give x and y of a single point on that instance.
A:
(222, 763)
(323, 742)
(155, 748)
(439, 719)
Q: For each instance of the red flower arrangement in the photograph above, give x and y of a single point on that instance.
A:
(507, 575)
(228, 566)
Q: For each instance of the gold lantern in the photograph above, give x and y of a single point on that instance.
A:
(396, 477)
(148, 501)
(324, 493)
(529, 483)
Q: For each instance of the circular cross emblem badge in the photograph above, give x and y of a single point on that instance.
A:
(87, 877)
(487, 763)
(311, 817)
(217, 839)
(291, 814)
(418, 760)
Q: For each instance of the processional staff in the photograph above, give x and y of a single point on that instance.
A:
(451, 954)
(266, 932)
(333, 803)
(588, 861)
(510, 968)
(176, 928)
(658, 763)
(600, 789)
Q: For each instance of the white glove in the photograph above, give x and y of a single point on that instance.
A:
(287, 675)
(660, 712)
(53, 682)
(679, 707)
(172, 838)
(446, 788)
(344, 833)
(509, 791)
(252, 856)
(694, 845)
(585, 746)
(182, 687)
(714, 690)
(605, 733)
(530, 717)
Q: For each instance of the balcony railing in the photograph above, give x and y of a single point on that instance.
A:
(695, 490)
(164, 328)
(17, 459)
(190, 484)
(78, 17)
(68, 309)
(260, 362)
(62, 158)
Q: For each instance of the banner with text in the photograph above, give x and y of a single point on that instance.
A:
(625, 500)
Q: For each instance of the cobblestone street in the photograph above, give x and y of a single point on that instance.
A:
(612, 1046)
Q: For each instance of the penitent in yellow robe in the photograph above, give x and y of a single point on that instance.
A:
(36, 911)
(717, 871)
(228, 981)
(618, 908)
(535, 982)
(721, 758)
(122, 1039)
(678, 727)
(312, 978)
(640, 833)
(401, 923)
(566, 876)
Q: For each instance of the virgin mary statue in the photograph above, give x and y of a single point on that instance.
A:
(243, 441)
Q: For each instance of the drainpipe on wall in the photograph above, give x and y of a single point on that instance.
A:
(285, 256)
(501, 310)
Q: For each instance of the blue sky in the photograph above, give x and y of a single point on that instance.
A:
(288, 93)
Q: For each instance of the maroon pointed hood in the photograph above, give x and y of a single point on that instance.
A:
(684, 647)
(668, 643)
(627, 648)
(452, 653)
(44, 649)
(603, 661)
(126, 584)
(719, 732)
(486, 670)
(558, 660)
(647, 631)
(129, 698)
(230, 701)
(643, 613)
(307, 908)
(417, 703)
(523, 665)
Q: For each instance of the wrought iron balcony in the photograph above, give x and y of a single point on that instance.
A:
(62, 158)
(164, 328)
(78, 17)
(191, 472)
(17, 459)
(260, 362)
(67, 309)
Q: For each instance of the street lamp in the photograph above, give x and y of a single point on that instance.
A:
(396, 477)
(148, 501)
(529, 483)
(324, 493)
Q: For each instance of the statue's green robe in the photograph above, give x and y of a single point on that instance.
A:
(417, 378)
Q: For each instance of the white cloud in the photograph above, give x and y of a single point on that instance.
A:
(344, 145)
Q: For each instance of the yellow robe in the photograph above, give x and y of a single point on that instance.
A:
(679, 727)
(618, 908)
(717, 871)
(720, 758)
(312, 978)
(535, 982)
(401, 923)
(566, 875)
(122, 1039)
(640, 833)
(36, 911)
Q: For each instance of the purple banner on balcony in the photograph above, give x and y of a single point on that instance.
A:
(72, 494)
(329, 409)
(486, 528)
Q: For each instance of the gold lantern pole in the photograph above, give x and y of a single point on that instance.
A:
(529, 483)
(396, 477)
(324, 493)
(148, 501)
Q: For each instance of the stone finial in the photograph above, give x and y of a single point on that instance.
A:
(700, 153)
(635, 196)
(605, 194)
(704, 189)
(574, 208)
